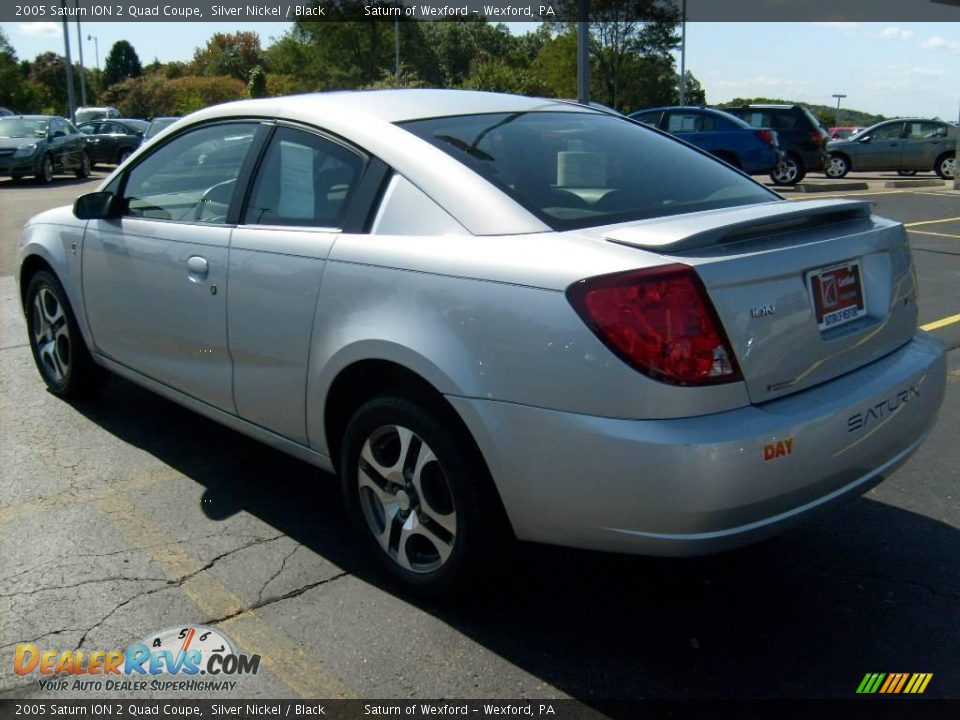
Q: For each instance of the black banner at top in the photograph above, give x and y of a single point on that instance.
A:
(492, 10)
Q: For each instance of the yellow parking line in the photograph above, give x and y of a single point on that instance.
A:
(285, 657)
(937, 324)
(929, 232)
(931, 222)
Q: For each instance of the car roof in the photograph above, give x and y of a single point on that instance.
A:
(393, 106)
(699, 108)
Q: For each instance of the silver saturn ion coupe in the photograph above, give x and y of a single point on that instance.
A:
(494, 317)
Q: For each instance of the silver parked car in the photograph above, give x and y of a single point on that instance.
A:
(496, 316)
(907, 145)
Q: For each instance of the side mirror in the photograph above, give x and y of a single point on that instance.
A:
(865, 139)
(58, 133)
(97, 206)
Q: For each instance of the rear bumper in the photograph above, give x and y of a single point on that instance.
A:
(704, 484)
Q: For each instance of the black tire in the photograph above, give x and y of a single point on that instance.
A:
(946, 166)
(906, 173)
(837, 166)
(459, 485)
(61, 357)
(124, 154)
(44, 174)
(789, 171)
(85, 166)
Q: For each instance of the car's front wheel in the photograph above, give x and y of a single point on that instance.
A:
(44, 174)
(837, 167)
(418, 494)
(947, 166)
(83, 171)
(58, 348)
(788, 171)
(906, 173)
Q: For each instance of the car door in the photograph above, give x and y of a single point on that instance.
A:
(58, 144)
(880, 148)
(155, 279)
(296, 209)
(923, 142)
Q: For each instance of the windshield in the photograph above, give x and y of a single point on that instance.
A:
(157, 125)
(16, 127)
(576, 170)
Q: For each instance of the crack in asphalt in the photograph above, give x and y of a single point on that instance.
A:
(178, 582)
(277, 573)
(278, 598)
(84, 582)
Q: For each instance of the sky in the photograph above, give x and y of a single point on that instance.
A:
(888, 68)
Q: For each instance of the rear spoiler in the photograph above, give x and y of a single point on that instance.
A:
(716, 227)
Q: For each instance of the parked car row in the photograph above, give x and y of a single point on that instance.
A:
(42, 146)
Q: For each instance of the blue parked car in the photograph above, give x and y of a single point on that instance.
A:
(755, 151)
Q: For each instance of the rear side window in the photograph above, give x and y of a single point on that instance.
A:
(574, 169)
(304, 179)
(688, 122)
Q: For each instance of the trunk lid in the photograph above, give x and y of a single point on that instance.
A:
(761, 266)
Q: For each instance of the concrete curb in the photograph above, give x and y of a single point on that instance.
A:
(831, 187)
(915, 183)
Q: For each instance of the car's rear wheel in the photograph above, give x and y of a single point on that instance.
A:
(946, 166)
(83, 171)
(837, 167)
(418, 494)
(788, 171)
(44, 174)
(55, 340)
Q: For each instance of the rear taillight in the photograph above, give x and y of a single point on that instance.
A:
(660, 321)
(767, 136)
(817, 138)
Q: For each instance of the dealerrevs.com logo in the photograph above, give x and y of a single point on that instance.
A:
(192, 658)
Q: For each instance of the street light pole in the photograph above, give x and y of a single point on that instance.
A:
(836, 120)
(71, 99)
(96, 48)
(683, 54)
(83, 78)
(583, 52)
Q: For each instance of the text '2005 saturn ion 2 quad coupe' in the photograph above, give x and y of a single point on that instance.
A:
(496, 317)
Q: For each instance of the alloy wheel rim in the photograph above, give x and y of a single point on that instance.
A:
(85, 164)
(836, 167)
(406, 499)
(949, 167)
(51, 335)
(786, 171)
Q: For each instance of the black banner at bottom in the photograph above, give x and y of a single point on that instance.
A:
(873, 708)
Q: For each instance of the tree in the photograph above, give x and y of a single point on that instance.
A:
(122, 63)
(234, 54)
(257, 86)
(695, 94)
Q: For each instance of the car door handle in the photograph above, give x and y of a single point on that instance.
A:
(198, 265)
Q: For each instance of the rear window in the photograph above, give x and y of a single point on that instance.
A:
(576, 170)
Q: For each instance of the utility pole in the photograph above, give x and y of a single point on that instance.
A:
(683, 54)
(71, 100)
(583, 52)
(83, 73)
(396, 52)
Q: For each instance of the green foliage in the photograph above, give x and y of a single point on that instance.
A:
(153, 95)
(257, 85)
(826, 114)
(122, 63)
(233, 54)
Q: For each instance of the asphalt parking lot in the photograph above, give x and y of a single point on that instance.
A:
(126, 514)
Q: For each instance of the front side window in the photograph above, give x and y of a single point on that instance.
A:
(888, 132)
(574, 169)
(192, 177)
(304, 180)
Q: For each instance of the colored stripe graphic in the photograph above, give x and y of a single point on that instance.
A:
(894, 683)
